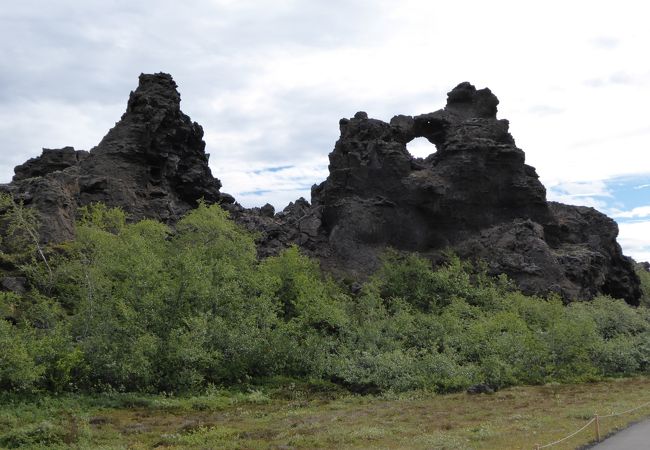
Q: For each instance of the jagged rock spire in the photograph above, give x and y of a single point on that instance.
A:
(152, 164)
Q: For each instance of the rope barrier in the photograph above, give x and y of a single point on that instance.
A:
(596, 420)
(626, 412)
(539, 447)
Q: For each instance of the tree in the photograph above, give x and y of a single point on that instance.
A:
(21, 230)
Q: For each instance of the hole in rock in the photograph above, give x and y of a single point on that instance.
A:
(420, 147)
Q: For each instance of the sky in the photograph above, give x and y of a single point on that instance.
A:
(269, 80)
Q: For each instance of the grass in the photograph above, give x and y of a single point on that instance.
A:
(299, 416)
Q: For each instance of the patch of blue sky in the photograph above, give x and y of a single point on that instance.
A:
(257, 192)
(630, 192)
(630, 200)
(269, 191)
(272, 169)
(616, 197)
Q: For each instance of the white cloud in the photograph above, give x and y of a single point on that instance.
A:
(545, 110)
(269, 80)
(606, 42)
(634, 237)
(275, 185)
(592, 188)
(21, 139)
(594, 193)
(638, 212)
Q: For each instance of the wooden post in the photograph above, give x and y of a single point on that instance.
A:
(597, 422)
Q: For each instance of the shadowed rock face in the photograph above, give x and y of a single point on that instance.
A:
(474, 195)
(152, 164)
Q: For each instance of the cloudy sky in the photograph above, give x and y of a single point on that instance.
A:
(269, 80)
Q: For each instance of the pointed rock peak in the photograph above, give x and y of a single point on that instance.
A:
(155, 91)
(469, 102)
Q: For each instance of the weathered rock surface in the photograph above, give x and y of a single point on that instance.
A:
(474, 195)
(299, 223)
(51, 160)
(152, 164)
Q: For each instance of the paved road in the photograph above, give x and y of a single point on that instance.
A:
(637, 437)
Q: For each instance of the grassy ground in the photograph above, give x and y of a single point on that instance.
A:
(307, 416)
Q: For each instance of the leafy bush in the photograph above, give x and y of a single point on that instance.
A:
(644, 277)
(18, 367)
(143, 307)
(42, 435)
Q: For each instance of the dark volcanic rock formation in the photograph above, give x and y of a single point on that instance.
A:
(474, 195)
(51, 160)
(299, 223)
(152, 164)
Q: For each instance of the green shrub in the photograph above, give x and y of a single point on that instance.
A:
(411, 278)
(615, 318)
(18, 367)
(571, 341)
(42, 435)
(443, 372)
(644, 277)
(143, 307)
(617, 356)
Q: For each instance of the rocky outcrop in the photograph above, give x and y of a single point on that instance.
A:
(474, 195)
(152, 164)
(52, 192)
(50, 161)
(297, 224)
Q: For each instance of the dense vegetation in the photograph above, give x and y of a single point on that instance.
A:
(142, 307)
(644, 276)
